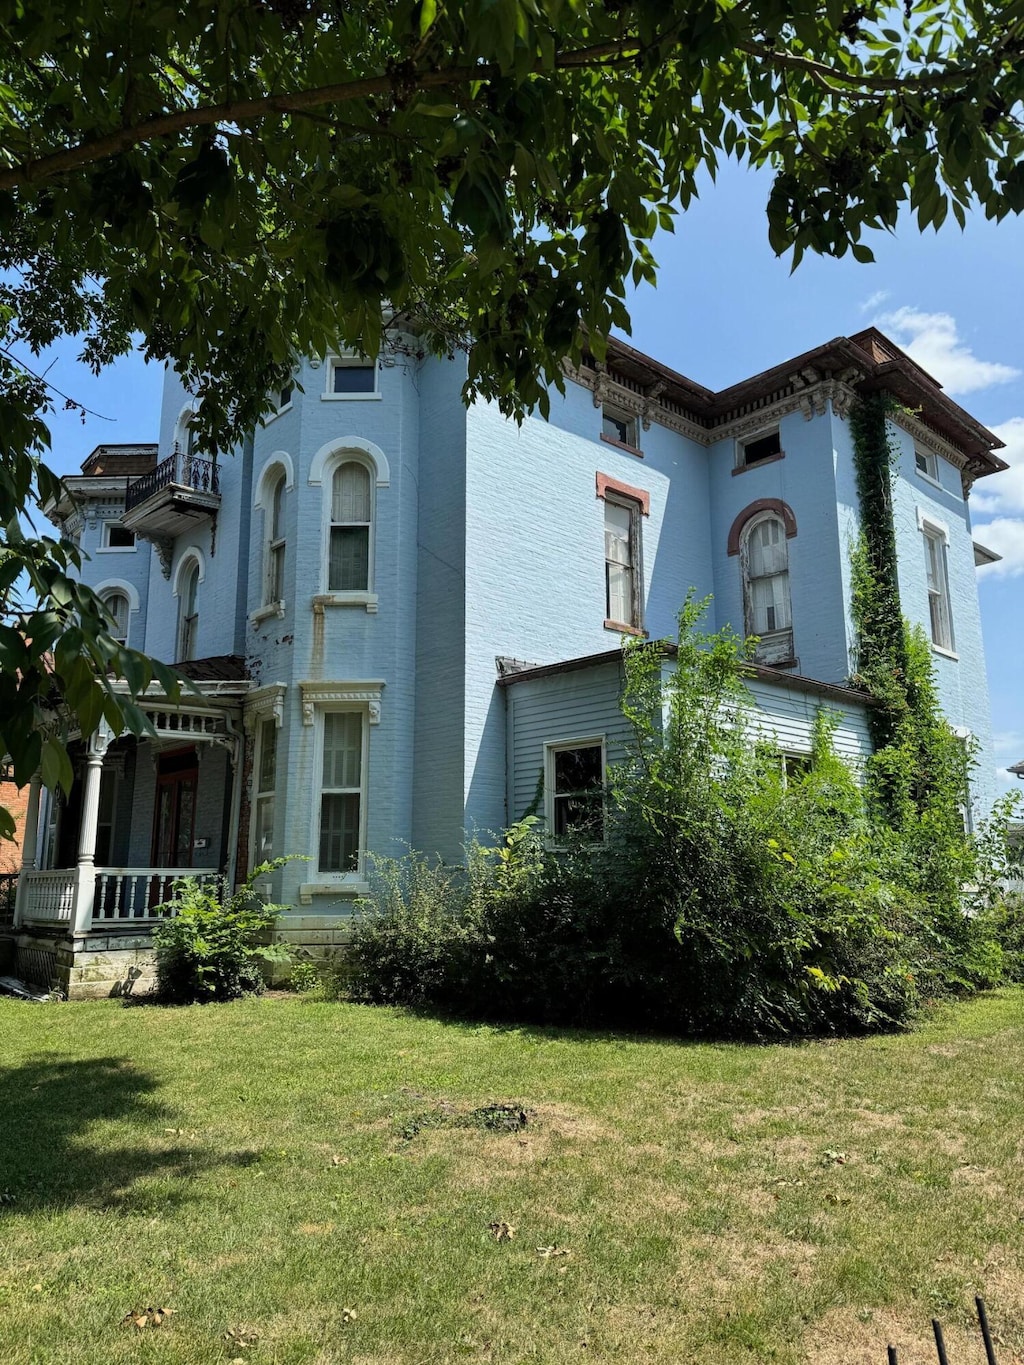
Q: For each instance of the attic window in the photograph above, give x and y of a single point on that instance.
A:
(768, 446)
(618, 426)
(352, 376)
(117, 537)
(927, 464)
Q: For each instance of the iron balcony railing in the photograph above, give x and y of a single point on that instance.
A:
(183, 470)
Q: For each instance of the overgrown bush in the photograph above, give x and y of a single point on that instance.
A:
(726, 898)
(212, 946)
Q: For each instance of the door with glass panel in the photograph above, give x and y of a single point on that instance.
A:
(175, 815)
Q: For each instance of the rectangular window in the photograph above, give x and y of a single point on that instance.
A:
(575, 778)
(353, 376)
(117, 537)
(927, 464)
(341, 791)
(266, 786)
(622, 562)
(940, 617)
(284, 398)
(618, 426)
(105, 817)
(759, 449)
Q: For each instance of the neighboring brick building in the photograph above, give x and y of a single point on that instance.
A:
(402, 616)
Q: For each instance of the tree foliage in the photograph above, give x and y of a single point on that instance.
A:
(242, 181)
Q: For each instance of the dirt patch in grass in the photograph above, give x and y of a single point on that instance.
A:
(850, 1336)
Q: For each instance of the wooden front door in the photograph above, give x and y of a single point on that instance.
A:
(175, 815)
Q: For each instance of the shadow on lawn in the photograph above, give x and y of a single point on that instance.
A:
(52, 1157)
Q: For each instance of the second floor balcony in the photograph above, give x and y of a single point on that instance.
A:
(180, 491)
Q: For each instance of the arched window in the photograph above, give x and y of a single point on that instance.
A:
(188, 612)
(117, 606)
(348, 551)
(274, 588)
(766, 600)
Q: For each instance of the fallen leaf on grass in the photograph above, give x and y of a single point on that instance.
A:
(502, 1232)
(548, 1252)
(240, 1340)
(147, 1317)
(348, 1315)
(339, 1160)
(831, 1158)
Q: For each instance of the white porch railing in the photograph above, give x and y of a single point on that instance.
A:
(49, 896)
(120, 893)
(133, 893)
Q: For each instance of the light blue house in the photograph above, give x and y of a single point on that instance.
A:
(403, 617)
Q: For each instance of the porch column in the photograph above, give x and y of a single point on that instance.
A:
(28, 847)
(85, 872)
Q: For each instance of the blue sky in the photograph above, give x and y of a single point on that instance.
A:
(726, 308)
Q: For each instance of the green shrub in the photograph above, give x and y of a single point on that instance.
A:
(212, 946)
(304, 977)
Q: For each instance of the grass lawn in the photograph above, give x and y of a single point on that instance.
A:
(296, 1180)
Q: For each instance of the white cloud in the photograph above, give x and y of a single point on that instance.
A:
(874, 301)
(1005, 535)
(933, 341)
(999, 494)
(1008, 748)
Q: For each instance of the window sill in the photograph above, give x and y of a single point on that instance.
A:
(350, 397)
(338, 889)
(622, 629)
(115, 549)
(946, 653)
(345, 599)
(769, 459)
(927, 478)
(621, 445)
(265, 613)
(273, 416)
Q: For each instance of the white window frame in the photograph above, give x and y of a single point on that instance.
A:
(350, 360)
(191, 558)
(935, 532)
(356, 597)
(126, 589)
(930, 473)
(260, 796)
(105, 547)
(561, 746)
(615, 413)
(775, 637)
(357, 876)
(272, 545)
(743, 442)
(636, 548)
(105, 596)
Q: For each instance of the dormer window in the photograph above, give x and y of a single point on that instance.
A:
(759, 449)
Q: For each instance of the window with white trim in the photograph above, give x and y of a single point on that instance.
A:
(118, 606)
(575, 782)
(114, 536)
(622, 569)
(348, 549)
(926, 462)
(188, 612)
(342, 796)
(768, 612)
(352, 376)
(265, 786)
(284, 395)
(618, 425)
(939, 612)
(274, 579)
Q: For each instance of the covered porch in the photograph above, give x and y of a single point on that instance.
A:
(98, 864)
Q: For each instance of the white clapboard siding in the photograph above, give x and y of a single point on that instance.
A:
(583, 703)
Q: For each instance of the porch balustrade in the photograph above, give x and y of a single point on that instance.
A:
(120, 894)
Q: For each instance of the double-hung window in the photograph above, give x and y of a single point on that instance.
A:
(341, 791)
(575, 784)
(275, 545)
(622, 574)
(768, 610)
(348, 567)
(265, 788)
(188, 613)
(940, 615)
